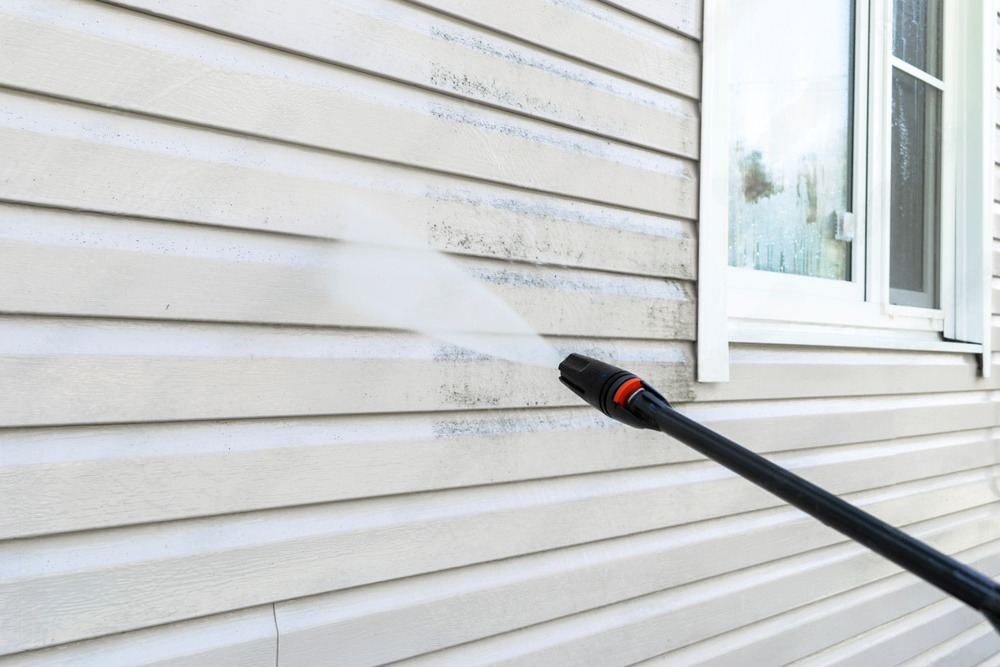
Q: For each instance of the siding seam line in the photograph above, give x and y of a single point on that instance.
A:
(277, 634)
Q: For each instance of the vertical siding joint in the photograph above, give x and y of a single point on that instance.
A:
(277, 635)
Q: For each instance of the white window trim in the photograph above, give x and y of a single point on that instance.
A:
(740, 305)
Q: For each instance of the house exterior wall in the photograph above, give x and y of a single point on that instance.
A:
(206, 461)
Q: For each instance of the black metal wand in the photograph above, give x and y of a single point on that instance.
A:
(623, 396)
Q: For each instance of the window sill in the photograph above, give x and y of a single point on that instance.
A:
(767, 332)
(782, 299)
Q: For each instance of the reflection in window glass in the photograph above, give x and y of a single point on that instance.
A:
(916, 33)
(790, 136)
(915, 199)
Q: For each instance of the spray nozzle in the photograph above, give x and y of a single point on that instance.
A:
(606, 387)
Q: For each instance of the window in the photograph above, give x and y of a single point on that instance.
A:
(846, 175)
(790, 137)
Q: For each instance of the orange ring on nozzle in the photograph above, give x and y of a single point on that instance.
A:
(626, 390)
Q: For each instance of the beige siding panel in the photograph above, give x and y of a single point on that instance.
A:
(293, 462)
(645, 627)
(902, 639)
(56, 478)
(63, 486)
(447, 136)
(591, 32)
(124, 165)
(761, 372)
(819, 625)
(77, 585)
(598, 574)
(93, 371)
(967, 648)
(777, 425)
(247, 638)
(401, 41)
(680, 15)
(172, 271)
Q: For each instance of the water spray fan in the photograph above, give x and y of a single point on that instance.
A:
(625, 397)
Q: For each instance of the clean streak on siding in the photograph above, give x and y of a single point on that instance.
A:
(156, 270)
(94, 371)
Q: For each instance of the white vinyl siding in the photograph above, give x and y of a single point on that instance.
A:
(205, 461)
(193, 431)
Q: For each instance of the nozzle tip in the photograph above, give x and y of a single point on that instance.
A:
(604, 386)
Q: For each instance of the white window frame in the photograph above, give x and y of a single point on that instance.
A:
(747, 306)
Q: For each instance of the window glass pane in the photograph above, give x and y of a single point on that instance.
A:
(790, 136)
(915, 194)
(916, 34)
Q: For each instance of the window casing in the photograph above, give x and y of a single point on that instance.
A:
(939, 298)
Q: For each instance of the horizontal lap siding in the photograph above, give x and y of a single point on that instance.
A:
(194, 428)
(569, 590)
(198, 467)
(243, 466)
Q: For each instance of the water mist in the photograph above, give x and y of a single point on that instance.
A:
(385, 272)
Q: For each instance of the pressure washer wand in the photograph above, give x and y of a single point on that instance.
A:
(626, 398)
